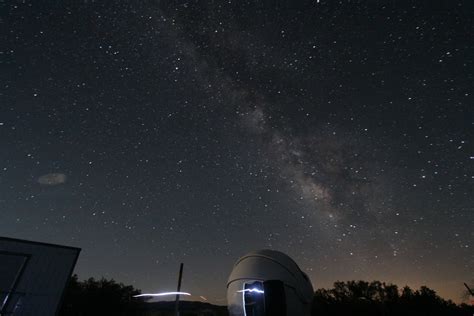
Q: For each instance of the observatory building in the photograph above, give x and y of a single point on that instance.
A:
(33, 276)
(268, 283)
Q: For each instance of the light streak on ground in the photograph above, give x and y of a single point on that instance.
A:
(162, 294)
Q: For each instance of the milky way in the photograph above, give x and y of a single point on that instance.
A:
(151, 133)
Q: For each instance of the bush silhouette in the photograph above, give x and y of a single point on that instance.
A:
(377, 298)
(98, 297)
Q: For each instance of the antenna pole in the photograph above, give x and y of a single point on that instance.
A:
(176, 309)
(469, 289)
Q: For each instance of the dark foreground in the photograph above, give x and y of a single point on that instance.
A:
(106, 297)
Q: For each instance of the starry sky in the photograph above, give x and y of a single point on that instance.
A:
(150, 133)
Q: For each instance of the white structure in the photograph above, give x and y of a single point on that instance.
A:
(33, 276)
(268, 283)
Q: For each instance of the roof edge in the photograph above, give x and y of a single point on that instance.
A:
(39, 243)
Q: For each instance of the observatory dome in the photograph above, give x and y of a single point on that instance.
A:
(268, 282)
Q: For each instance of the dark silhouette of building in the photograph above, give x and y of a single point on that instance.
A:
(33, 276)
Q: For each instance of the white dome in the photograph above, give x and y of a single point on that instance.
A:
(269, 265)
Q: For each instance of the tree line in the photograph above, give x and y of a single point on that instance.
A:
(107, 297)
(378, 298)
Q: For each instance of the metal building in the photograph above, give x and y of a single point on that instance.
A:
(33, 276)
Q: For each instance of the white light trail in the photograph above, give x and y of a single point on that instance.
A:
(162, 294)
(252, 291)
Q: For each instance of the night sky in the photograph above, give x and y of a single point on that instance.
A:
(150, 133)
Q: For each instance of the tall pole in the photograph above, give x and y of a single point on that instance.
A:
(469, 289)
(176, 309)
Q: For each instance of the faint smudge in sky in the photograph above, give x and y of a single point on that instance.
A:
(52, 179)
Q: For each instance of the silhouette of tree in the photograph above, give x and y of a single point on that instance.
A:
(381, 299)
(98, 297)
